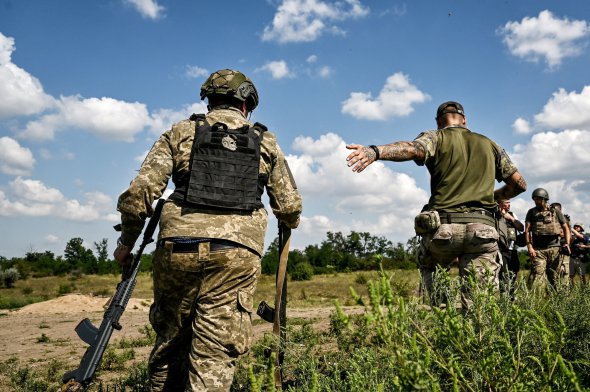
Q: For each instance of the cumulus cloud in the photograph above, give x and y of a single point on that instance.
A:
(536, 158)
(162, 119)
(277, 69)
(395, 100)
(522, 126)
(149, 9)
(566, 110)
(545, 37)
(312, 59)
(22, 94)
(307, 20)
(105, 117)
(27, 197)
(15, 159)
(194, 72)
(379, 200)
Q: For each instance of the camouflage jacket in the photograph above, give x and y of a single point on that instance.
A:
(170, 158)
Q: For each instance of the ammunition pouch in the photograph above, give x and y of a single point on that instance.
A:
(426, 222)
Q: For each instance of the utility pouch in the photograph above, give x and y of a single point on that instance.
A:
(426, 222)
(511, 234)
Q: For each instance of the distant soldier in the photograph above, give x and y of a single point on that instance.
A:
(579, 254)
(207, 260)
(543, 227)
(563, 267)
(509, 225)
(459, 220)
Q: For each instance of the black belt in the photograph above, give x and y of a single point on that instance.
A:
(476, 216)
(191, 245)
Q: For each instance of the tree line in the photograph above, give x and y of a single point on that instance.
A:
(337, 253)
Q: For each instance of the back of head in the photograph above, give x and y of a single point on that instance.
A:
(227, 86)
(450, 113)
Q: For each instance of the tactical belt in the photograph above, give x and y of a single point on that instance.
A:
(191, 245)
(478, 216)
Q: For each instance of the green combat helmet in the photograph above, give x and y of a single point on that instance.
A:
(541, 192)
(231, 83)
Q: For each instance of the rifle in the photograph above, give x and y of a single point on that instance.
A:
(98, 338)
(278, 314)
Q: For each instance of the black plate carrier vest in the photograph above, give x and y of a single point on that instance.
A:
(224, 168)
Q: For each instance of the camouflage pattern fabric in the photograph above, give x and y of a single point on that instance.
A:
(473, 245)
(203, 300)
(170, 158)
(548, 266)
(202, 316)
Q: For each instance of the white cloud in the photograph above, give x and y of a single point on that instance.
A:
(51, 239)
(554, 155)
(33, 198)
(312, 59)
(162, 119)
(105, 117)
(545, 37)
(277, 69)
(149, 9)
(22, 94)
(15, 159)
(378, 200)
(522, 126)
(566, 110)
(325, 71)
(395, 100)
(194, 72)
(307, 20)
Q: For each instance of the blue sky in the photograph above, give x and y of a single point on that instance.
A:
(87, 87)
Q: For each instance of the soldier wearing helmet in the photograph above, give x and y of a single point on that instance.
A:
(207, 260)
(579, 256)
(543, 227)
(458, 221)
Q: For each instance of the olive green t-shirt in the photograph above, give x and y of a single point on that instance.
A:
(463, 166)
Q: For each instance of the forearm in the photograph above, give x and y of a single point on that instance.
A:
(402, 151)
(514, 186)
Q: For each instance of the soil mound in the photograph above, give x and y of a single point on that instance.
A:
(76, 303)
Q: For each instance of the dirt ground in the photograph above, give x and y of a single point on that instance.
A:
(39, 333)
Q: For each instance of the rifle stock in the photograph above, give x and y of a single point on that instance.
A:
(98, 338)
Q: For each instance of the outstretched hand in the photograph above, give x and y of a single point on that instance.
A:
(360, 158)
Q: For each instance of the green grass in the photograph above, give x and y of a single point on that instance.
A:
(539, 342)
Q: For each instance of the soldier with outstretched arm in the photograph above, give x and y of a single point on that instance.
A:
(458, 221)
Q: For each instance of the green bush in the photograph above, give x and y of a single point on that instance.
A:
(9, 277)
(302, 271)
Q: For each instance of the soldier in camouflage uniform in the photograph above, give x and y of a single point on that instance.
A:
(458, 221)
(212, 228)
(543, 227)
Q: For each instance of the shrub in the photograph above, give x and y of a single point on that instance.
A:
(302, 271)
(9, 277)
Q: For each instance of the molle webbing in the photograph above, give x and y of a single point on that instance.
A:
(224, 168)
(546, 223)
(482, 216)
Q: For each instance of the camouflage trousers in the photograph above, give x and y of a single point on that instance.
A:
(474, 246)
(549, 265)
(202, 316)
